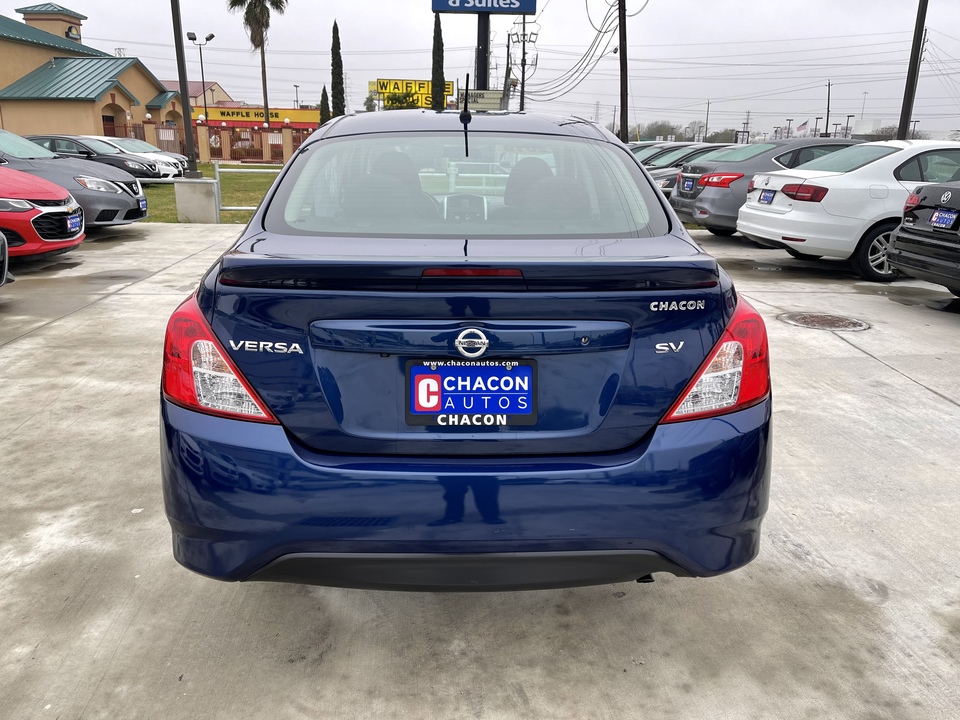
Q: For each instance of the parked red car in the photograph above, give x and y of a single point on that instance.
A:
(37, 216)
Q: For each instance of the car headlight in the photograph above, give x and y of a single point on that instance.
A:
(134, 165)
(17, 206)
(99, 185)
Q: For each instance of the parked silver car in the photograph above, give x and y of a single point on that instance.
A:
(710, 193)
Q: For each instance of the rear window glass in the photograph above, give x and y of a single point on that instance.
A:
(423, 185)
(668, 158)
(646, 152)
(744, 152)
(849, 158)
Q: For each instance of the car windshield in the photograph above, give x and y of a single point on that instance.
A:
(738, 154)
(134, 145)
(22, 149)
(423, 185)
(669, 158)
(101, 148)
(849, 158)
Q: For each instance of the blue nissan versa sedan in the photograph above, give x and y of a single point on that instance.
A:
(416, 371)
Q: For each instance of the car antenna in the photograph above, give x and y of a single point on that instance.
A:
(466, 117)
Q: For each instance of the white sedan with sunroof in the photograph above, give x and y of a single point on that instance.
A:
(845, 204)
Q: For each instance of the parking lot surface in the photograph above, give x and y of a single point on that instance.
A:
(852, 609)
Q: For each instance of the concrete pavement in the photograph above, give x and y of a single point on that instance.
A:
(852, 609)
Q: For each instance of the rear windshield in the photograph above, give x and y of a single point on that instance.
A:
(736, 154)
(647, 152)
(134, 145)
(20, 148)
(424, 185)
(849, 158)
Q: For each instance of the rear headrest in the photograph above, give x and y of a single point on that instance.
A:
(524, 174)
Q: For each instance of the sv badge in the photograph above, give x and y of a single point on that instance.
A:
(664, 348)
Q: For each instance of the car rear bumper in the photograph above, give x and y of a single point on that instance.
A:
(712, 208)
(941, 271)
(245, 503)
(831, 236)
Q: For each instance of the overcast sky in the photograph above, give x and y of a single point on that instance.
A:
(769, 57)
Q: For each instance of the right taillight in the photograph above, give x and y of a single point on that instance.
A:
(198, 373)
(736, 374)
(804, 192)
(912, 203)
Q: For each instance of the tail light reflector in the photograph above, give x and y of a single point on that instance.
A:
(736, 374)
(198, 373)
(913, 202)
(722, 180)
(804, 192)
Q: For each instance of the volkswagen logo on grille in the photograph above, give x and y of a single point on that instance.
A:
(945, 198)
(471, 343)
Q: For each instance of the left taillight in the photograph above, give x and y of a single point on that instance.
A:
(198, 373)
(912, 203)
(736, 374)
(722, 180)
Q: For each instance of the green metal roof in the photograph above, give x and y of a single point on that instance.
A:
(162, 99)
(72, 79)
(21, 32)
(49, 9)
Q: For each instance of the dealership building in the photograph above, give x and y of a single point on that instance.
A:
(50, 82)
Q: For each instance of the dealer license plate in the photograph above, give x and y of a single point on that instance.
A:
(688, 184)
(479, 394)
(943, 218)
(74, 223)
(143, 204)
(766, 196)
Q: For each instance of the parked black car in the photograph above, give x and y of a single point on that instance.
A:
(927, 243)
(98, 151)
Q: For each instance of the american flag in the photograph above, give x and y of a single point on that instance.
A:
(802, 126)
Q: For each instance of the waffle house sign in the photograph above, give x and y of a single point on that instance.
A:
(421, 89)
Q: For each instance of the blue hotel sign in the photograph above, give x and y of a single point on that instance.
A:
(509, 7)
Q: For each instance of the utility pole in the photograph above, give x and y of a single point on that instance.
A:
(913, 72)
(191, 147)
(623, 68)
(706, 124)
(482, 71)
(523, 67)
(826, 125)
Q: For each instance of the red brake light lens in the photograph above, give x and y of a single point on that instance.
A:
(472, 272)
(804, 192)
(736, 374)
(198, 373)
(722, 180)
(912, 203)
(750, 186)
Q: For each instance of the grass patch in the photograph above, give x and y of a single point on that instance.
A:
(235, 190)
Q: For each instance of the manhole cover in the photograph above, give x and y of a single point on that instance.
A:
(819, 321)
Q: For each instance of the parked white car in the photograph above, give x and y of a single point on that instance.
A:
(845, 204)
(167, 165)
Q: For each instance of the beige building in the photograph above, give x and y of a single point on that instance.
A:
(52, 83)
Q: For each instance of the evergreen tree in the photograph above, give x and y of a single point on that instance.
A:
(336, 64)
(439, 99)
(324, 106)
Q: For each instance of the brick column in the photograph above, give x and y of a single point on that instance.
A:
(150, 132)
(226, 142)
(287, 143)
(265, 144)
(203, 143)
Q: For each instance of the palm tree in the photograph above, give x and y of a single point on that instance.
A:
(256, 20)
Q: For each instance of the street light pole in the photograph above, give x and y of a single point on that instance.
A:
(296, 103)
(190, 146)
(846, 130)
(789, 122)
(864, 106)
(836, 129)
(816, 126)
(913, 71)
(192, 37)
